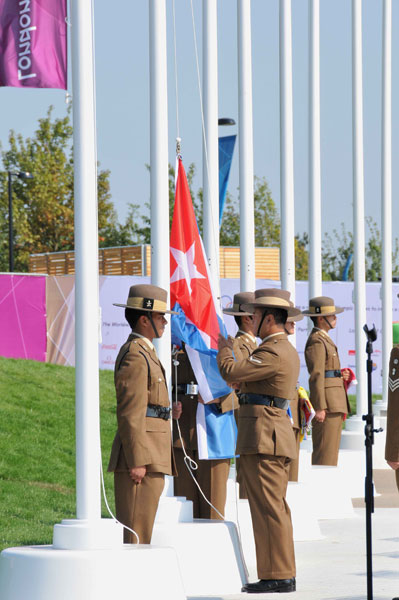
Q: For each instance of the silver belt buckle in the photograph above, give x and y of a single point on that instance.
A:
(191, 389)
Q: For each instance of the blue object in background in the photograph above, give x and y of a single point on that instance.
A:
(226, 149)
(347, 266)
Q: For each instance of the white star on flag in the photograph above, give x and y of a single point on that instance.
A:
(186, 269)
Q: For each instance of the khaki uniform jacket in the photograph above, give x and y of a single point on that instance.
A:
(140, 440)
(188, 418)
(392, 439)
(273, 369)
(326, 393)
(243, 345)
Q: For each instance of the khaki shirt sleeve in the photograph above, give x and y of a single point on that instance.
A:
(131, 383)
(315, 356)
(262, 364)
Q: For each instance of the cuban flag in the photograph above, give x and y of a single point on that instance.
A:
(198, 323)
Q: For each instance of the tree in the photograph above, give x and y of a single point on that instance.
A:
(266, 219)
(43, 207)
(301, 257)
(339, 247)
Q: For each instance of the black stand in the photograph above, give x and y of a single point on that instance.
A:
(369, 441)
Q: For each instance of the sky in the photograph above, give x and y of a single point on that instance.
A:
(122, 85)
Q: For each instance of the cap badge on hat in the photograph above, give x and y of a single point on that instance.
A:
(148, 303)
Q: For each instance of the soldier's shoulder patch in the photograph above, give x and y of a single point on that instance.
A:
(255, 360)
(393, 384)
(393, 379)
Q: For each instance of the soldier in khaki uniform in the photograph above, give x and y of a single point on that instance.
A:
(295, 406)
(392, 439)
(211, 475)
(245, 340)
(266, 442)
(326, 384)
(142, 450)
(244, 344)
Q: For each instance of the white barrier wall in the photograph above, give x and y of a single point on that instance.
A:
(115, 329)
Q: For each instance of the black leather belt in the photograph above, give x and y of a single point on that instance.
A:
(158, 412)
(333, 373)
(264, 400)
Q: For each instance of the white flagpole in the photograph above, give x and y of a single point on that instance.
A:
(287, 260)
(160, 270)
(88, 506)
(386, 193)
(210, 144)
(358, 216)
(245, 137)
(315, 273)
(88, 531)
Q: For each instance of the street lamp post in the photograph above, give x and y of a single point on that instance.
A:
(21, 175)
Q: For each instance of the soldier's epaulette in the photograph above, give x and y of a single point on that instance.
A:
(135, 347)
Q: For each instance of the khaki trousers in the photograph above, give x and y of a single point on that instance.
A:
(137, 503)
(326, 437)
(212, 477)
(242, 492)
(266, 479)
(294, 464)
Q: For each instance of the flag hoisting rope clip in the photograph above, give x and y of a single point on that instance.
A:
(178, 147)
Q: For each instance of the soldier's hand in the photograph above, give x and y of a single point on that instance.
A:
(345, 374)
(176, 409)
(393, 465)
(223, 343)
(320, 416)
(137, 473)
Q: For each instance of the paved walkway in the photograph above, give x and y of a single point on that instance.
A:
(335, 568)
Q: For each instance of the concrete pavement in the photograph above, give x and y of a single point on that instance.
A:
(335, 567)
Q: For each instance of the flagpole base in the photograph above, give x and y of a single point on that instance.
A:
(45, 573)
(81, 534)
(205, 540)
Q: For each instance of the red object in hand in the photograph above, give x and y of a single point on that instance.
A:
(351, 380)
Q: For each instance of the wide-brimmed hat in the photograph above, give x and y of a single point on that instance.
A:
(273, 298)
(295, 318)
(150, 298)
(236, 310)
(322, 306)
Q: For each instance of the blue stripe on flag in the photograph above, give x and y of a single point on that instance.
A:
(189, 334)
(221, 432)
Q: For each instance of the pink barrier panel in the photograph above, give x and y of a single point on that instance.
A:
(23, 317)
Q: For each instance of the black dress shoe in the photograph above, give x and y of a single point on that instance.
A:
(269, 586)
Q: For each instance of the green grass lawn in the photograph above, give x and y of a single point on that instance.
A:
(37, 448)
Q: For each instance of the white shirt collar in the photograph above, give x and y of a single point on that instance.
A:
(251, 337)
(273, 335)
(147, 341)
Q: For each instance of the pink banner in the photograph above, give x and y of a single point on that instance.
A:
(33, 43)
(23, 317)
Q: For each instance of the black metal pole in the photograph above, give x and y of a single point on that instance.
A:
(369, 441)
(10, 225)
(369, 486)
